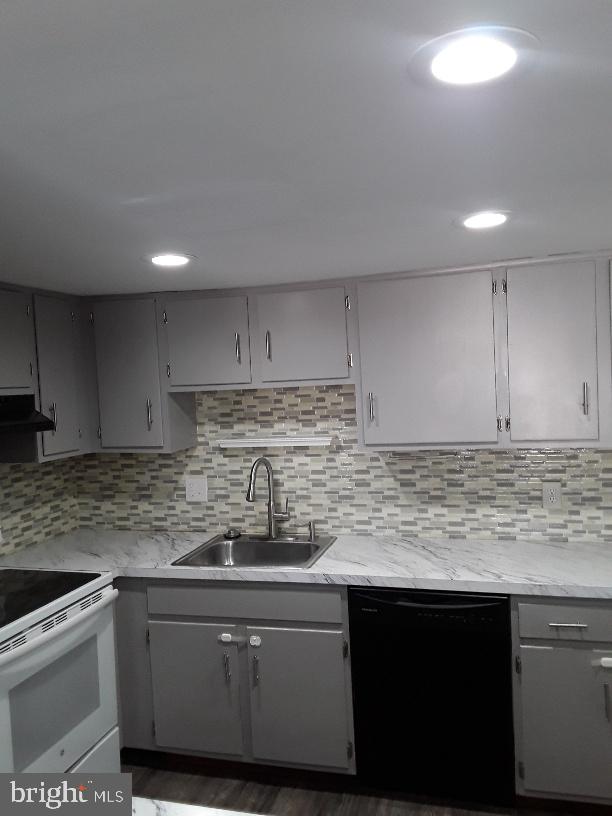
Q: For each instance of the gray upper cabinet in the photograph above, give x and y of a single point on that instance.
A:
(196, 690)
(302, 335)
(428, 360)
(566, 713)
(208, 341)
(16, 342)
(552, 352)
(57, 373)
(128, 373)
(298, 696)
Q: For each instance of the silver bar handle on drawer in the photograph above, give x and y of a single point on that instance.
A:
(149, 413)
(53, 409)
(268, 345)
(255, 670)
(606, 689)
(238, 354)
(585, 398)
(568, 625)
(226, 665)
(371, 405)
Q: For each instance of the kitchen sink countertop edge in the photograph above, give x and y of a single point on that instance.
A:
(523, 567)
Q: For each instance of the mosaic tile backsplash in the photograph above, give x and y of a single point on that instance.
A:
(485, 494)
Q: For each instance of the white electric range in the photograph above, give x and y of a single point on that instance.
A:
(58, 693)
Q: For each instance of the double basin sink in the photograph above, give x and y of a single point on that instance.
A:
(293, 552)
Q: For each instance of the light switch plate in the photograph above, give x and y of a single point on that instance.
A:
(196, 488)
(551, 495)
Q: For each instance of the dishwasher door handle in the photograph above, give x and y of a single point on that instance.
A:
(420, 605)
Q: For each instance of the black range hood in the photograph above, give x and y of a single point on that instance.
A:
(18, 414)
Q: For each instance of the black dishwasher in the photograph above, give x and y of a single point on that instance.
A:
(432, 693)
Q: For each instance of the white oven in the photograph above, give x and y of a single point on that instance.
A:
(58, 693)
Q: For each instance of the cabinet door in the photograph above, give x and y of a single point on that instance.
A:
(16, 341)
(128, 374)
(298, 696)
(566, 721)
(302, 335)
(196, 694)
(59, 399)
(552, 352)
(208, 341)
(428, 360)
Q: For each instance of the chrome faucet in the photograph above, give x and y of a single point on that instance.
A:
(273, 516)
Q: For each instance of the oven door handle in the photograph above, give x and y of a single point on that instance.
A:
(57, 631)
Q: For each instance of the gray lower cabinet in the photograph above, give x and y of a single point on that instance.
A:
(302, 335)
(128, 374)
(196, 687)
(428, 360)
(298, 696)
(208, 341)
(566, 720)
(16, 342)
(259, 673)
(552, 352)
(57, 373)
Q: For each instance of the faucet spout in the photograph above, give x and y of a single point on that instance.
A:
(273, 516)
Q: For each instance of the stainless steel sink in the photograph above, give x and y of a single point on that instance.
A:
(293, 552)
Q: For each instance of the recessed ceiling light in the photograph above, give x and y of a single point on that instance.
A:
(485, 219)
(171, 259)
(473, 58)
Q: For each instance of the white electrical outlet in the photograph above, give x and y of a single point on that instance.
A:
(551, 494)
(196, 488)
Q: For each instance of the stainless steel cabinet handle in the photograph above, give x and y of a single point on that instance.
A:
(255, 670)
(371, 405)
(569, 625)
(53, 409)
(268, 345)
(606, 689)
(149, 414)
(226, 665)
(238, 355)
(585, 398)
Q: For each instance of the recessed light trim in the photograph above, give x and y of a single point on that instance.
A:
(171, 260)
(485, 219)
(472, 59)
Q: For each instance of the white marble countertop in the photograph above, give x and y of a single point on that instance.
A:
(579, 569)
(160, 807)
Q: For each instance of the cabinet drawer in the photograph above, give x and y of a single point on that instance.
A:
(303, 604)
(566, 622)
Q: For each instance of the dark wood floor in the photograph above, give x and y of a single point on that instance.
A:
(277, 797)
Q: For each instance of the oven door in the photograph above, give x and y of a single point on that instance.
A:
(58, 693)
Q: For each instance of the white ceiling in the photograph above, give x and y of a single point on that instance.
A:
(284, 140)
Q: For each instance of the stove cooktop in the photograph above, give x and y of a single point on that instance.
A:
(25, 590)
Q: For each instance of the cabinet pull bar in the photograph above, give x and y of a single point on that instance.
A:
(238, 355)
(585, 398)
(255, 670)
(371, 405)
(606, 689)
(268, 346)
(149, 413)
(568, 625)
(226, 665)
(53, 409)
